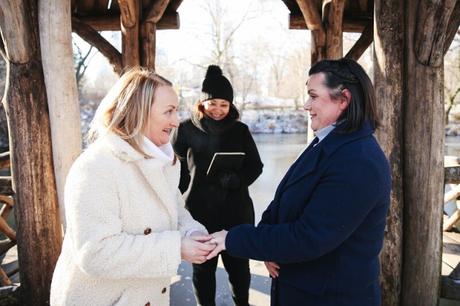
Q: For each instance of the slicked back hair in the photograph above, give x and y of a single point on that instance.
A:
(347, 74)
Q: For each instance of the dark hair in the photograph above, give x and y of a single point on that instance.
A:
(347, 74)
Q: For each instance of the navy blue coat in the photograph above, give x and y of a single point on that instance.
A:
(326, 223)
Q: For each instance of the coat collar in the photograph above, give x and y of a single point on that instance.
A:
(309, 159)
(338, 138)
(162, 177)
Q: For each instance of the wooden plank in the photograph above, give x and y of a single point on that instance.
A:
(431, 29)
(156, 11)
(4, 160)
(169, 21)
(452, 236)
(6, 185)
(93, 38)
(361, 45)
(388, 80)
(334, 39)
(297, 22)
(451, 253)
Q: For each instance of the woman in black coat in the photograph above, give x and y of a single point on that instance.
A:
(220, 201)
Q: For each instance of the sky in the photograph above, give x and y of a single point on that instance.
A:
(266, 20)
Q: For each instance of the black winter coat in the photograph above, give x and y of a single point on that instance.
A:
(223, 201)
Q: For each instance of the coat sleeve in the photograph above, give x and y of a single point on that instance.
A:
(99, 245)
(181, 147)
(252, 166)
(339, 204)
(186, 222)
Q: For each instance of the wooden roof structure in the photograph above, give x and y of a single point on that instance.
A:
(410, 38)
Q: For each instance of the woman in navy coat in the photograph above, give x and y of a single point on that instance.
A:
(321, 235)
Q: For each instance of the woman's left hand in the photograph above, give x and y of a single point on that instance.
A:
(219, 240)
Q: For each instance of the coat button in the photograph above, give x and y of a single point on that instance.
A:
(147, 231)
(164, 290)
(148, 304)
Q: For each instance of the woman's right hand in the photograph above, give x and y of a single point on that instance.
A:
(273, 268)
(195, 248)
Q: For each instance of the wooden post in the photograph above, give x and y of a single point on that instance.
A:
(130, 12)
(312, 15)
(148, 38)
(388, 80)
(423, 156)
(334, 31)
(37, 212)
(57, 56)
(148, 32)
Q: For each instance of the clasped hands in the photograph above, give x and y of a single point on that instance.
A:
(199, 246)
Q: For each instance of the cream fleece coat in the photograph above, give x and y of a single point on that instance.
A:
(125, 220)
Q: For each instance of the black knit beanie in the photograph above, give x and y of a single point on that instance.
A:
(216, 86)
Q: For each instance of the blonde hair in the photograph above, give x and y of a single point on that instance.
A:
(125, 109)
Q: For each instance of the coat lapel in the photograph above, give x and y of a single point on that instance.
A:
(305, 164)
(309, 160)
(154, 173)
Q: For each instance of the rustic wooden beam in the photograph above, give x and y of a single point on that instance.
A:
(5, 160)
(431, 29)
(58, 68)
(297, 22)
(334, 31)
(156, 11)
(7, 230)
(362, 43)
(423, 135)
(2, 48)
(130, 17)
(363, 5)
(169, 21)
(129, 11)
(452, 27)
(174, 5)
(317, 47)
(13, 21)
(389, 88)
(36, 200)
(312, 18)
(93, 38)
(6, 185)
(148, 39)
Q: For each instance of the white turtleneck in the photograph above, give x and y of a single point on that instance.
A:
(164, 152)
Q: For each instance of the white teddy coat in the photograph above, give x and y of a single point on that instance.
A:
(125, 219)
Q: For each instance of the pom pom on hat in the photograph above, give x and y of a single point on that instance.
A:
(216, 85)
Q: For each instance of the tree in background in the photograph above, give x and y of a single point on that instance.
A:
(452, 76)
(81, 61)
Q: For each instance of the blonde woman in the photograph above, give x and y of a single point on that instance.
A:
(127, 229)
